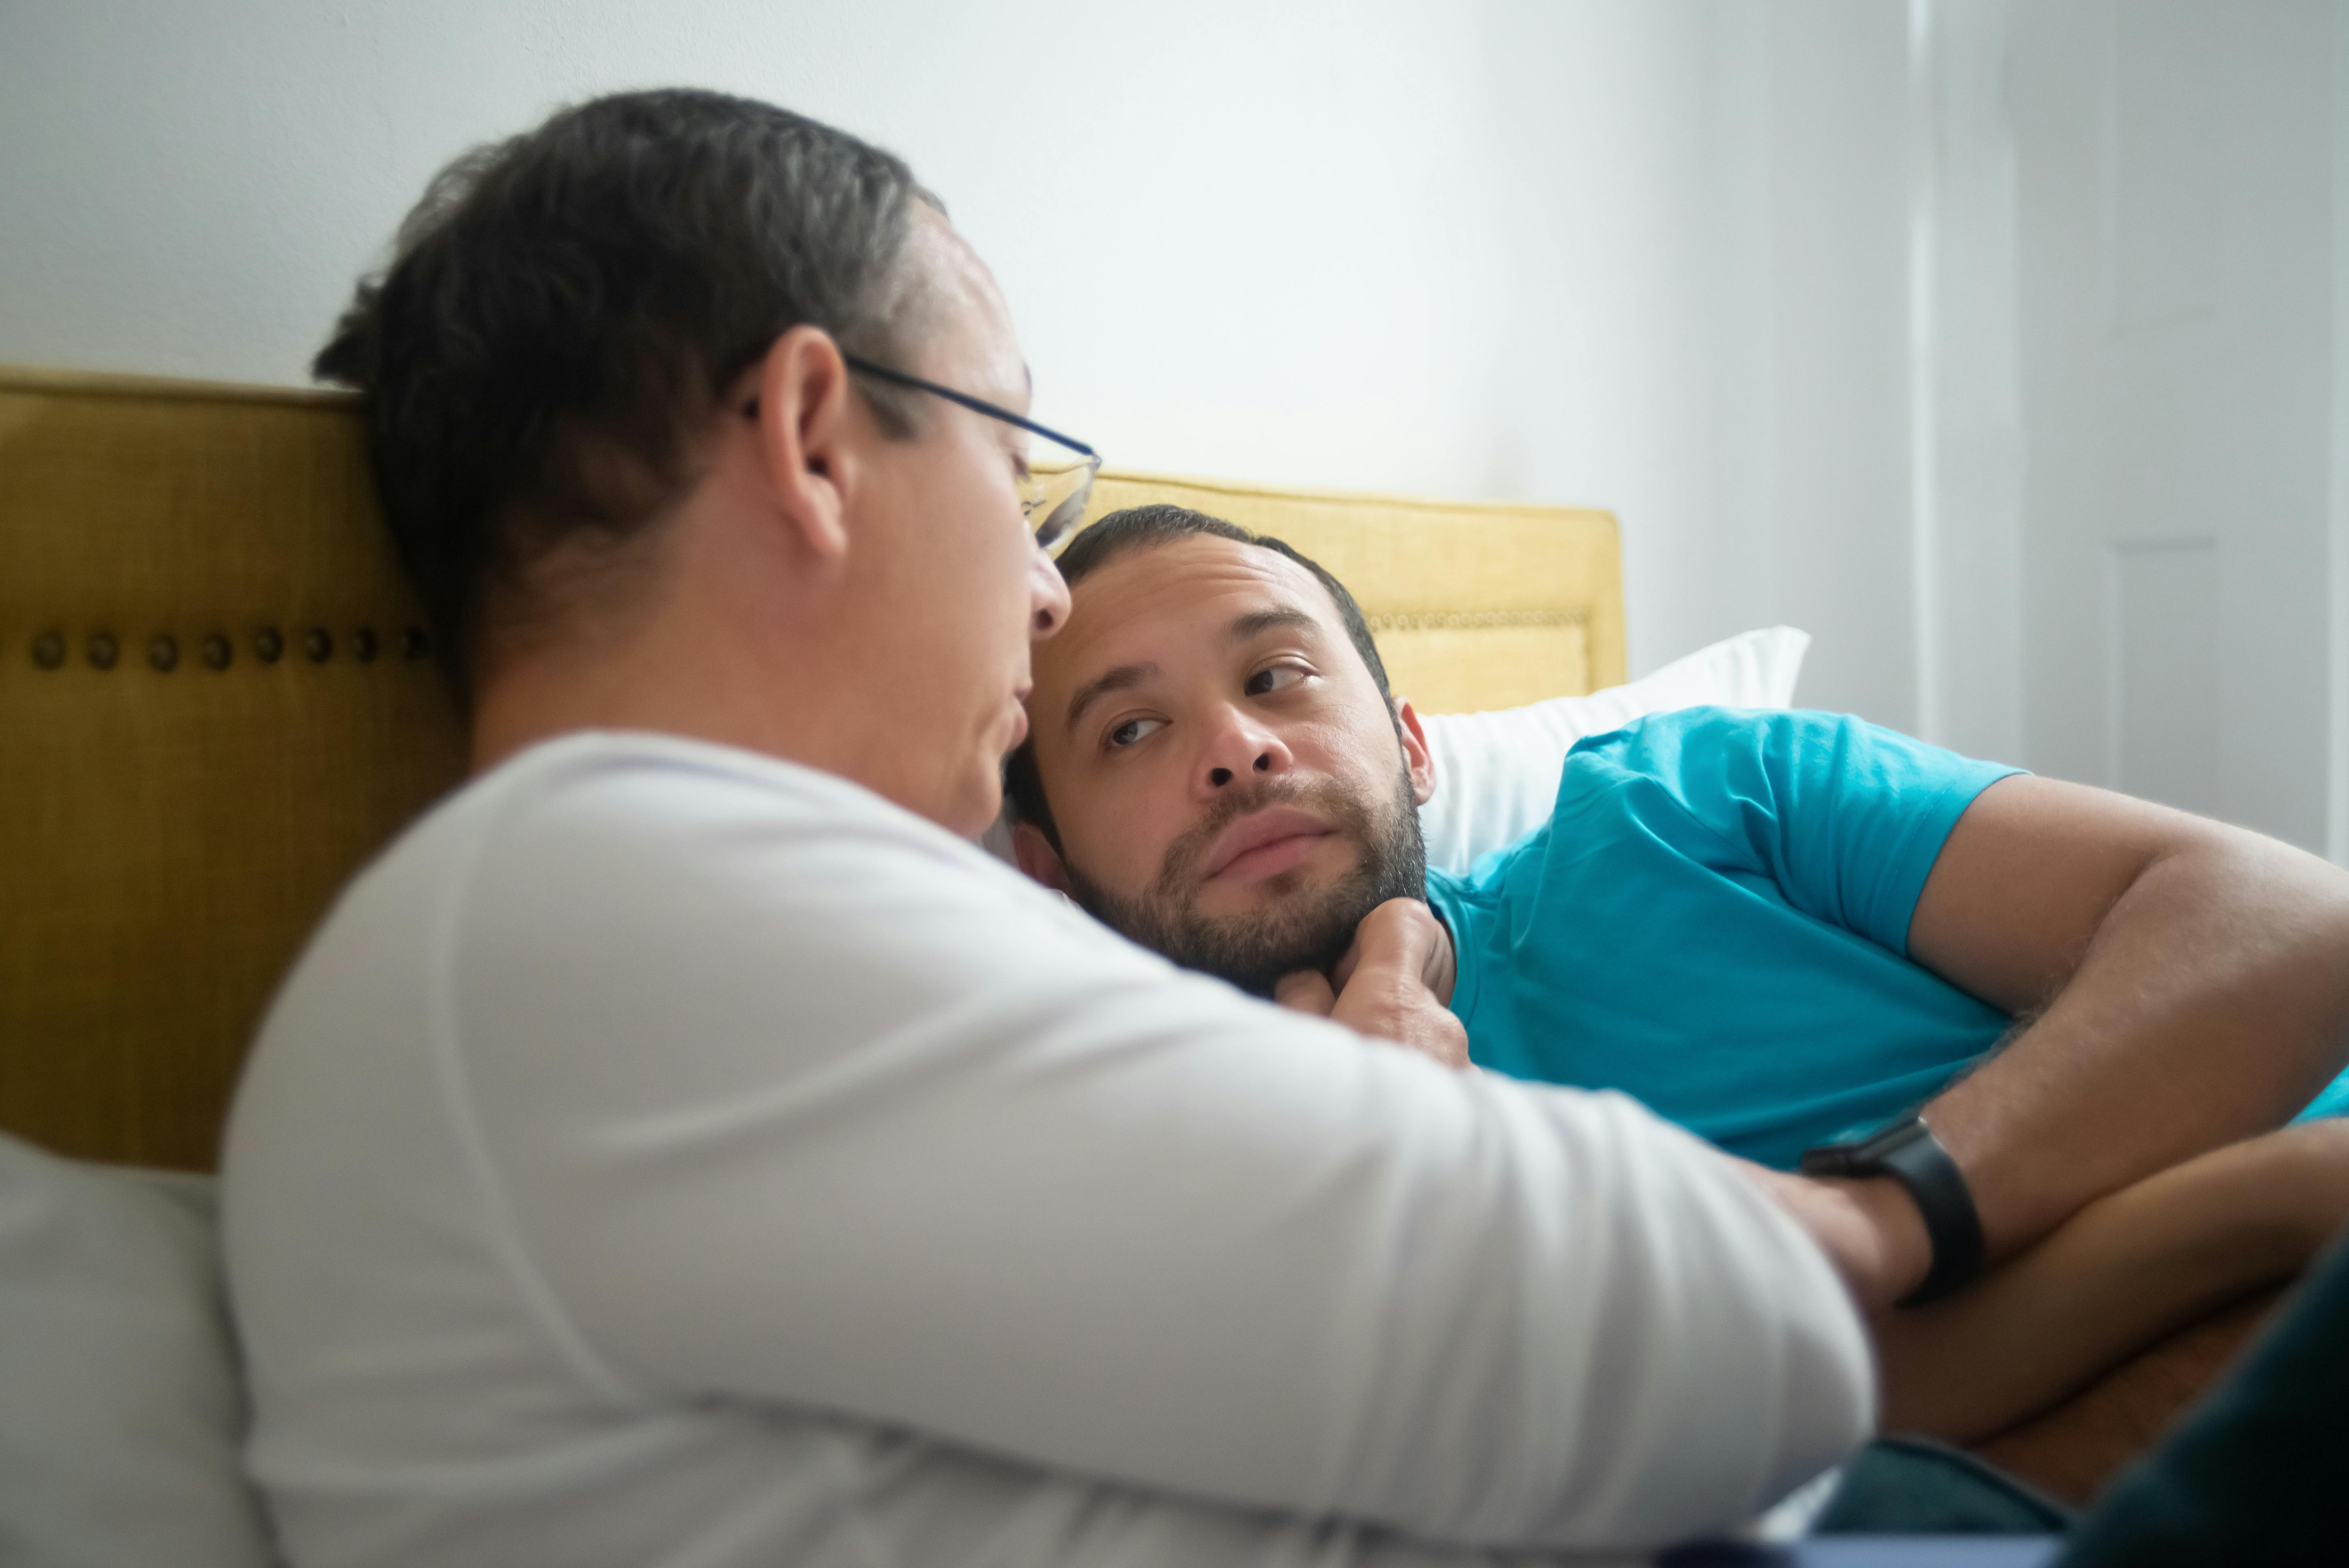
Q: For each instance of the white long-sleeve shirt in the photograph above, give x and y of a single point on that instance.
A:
(663, 1154)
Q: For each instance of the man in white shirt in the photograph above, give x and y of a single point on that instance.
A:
(684, 1147)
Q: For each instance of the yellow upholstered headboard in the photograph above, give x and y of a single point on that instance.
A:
(216, 703)
(1473, 606)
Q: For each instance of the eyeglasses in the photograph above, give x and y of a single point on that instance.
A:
(1053, 495)
(1054, 491)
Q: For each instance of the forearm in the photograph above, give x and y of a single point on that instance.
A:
(2210, 1002)
(1480, 1314)
(965, 1165)
(2128, 1269)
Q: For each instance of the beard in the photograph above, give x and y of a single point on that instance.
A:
(1297, 927)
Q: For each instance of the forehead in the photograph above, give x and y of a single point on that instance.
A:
(971, 343)
(1161, 602)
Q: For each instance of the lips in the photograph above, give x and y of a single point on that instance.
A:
(1260, 830)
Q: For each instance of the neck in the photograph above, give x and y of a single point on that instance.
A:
(787, 683)
(688, 640)
(684, 667)
(643, 681)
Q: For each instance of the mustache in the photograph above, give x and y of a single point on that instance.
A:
(1179, 870)
(1299, 926)
(1192, 849)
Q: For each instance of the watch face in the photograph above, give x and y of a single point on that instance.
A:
(1890, 1139)
(1832, 1160)
(1865, 1156)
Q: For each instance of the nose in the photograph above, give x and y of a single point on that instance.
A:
(1237, 747)
(1048, 597)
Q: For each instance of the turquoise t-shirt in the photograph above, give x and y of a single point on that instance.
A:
(1715, 921)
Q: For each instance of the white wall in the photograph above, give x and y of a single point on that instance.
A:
(1634, 139)
(1838, 388)
(1709, 216)
(1792, 286)
(1516, 249)
(1261, 240)
(2336, 835)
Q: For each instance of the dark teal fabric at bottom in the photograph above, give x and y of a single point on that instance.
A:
(2259, 1473)
(1915, 1486)
(1872, 1551)
(1909, 1502)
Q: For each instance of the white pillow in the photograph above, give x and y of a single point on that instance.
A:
(120, 1413)
(1497, 773)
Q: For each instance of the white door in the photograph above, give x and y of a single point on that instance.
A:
(2174, 299)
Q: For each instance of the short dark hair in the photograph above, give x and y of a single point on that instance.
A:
(1138, 528)
(563, 308)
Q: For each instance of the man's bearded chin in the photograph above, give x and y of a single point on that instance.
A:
(1297, 927)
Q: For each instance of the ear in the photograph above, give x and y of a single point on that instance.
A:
(806, 438)
(1039, 858)
(1416, 755)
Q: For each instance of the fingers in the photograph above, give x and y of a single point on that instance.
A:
(1390, 1004)
(1380, 986)
(1348, 962)
(1398, 933)
(1305, 990)
(1444, 1038)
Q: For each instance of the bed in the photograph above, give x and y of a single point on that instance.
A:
(217, 700)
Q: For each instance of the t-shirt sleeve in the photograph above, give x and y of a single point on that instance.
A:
(814, 1107)
(1845, 816)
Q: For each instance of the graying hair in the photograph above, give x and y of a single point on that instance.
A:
(564, 309)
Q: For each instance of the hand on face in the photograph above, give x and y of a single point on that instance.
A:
(1388, 984)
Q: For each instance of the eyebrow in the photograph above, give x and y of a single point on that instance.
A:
(1255, 622)
(1125, 678)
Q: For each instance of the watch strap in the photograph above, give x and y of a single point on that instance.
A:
(1907, 1150)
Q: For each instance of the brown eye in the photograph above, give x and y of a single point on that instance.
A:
(1130, 731)
(1279, 677)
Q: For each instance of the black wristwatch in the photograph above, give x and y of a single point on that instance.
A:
(1906, 1150)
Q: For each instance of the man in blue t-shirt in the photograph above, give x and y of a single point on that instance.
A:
(1715, 919)
(1779, 929)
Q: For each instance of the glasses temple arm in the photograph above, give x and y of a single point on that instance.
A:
(976, 405)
